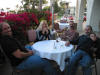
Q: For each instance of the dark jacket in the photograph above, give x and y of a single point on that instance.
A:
(96, 45)
(10, 45)
(83, 43)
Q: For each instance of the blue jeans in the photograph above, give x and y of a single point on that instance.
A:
(80, 58)
(35, 62)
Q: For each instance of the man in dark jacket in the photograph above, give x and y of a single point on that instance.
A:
(83, 56)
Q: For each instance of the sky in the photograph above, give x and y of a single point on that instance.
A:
(9, 4)
(12, 3)
(72, 2)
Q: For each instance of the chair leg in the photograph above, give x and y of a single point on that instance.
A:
(96, 69)
(31, 72)
(18, 73)
(83, 73)
(12, 73)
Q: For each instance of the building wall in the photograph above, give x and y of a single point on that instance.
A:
(93, 14)
(81, 10)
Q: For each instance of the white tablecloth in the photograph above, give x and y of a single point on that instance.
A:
(63, 25)
(53, 50)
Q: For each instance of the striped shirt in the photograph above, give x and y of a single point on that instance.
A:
(40, 36)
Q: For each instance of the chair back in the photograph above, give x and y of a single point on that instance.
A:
(56, 26)
(75, 25)
(3, 53)
(31, 35)
(2, 58)
(1, 50)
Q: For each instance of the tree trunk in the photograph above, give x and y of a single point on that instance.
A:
(40, 5)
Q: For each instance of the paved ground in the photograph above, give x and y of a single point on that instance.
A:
(6, 70)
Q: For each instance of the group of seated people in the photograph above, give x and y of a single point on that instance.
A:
(87, 49)
(23, 58)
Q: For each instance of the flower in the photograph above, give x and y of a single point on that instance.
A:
(44, 15)
(2, 14)
(22, 21)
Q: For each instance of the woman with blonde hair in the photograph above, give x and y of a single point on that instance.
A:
(41, 24)
(43, 31)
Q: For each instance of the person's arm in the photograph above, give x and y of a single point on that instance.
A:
(75, 41)
(20, 54)
(75, 36)
(13, 47)
(49, 36)
(40, 36)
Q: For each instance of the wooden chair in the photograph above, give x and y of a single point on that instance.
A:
(31, 35)
(75, 24)
(56, 26)
(93, 66)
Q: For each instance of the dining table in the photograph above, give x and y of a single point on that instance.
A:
(63, 25)
(53, 50)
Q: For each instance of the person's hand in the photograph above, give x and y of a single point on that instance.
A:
(44, 30)
(30, 52)
(47, 31)
(67, 43)
(53, 32)
(94, 55)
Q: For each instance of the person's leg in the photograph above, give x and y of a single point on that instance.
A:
(35, 62)
(48, 68)
(86, 63)
(73, 63)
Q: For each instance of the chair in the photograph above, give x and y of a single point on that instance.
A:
(93, 66)
(75, 24)
(20, 72)
(31, 35)
(2, 58)
(56, 26)
(14, 70)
